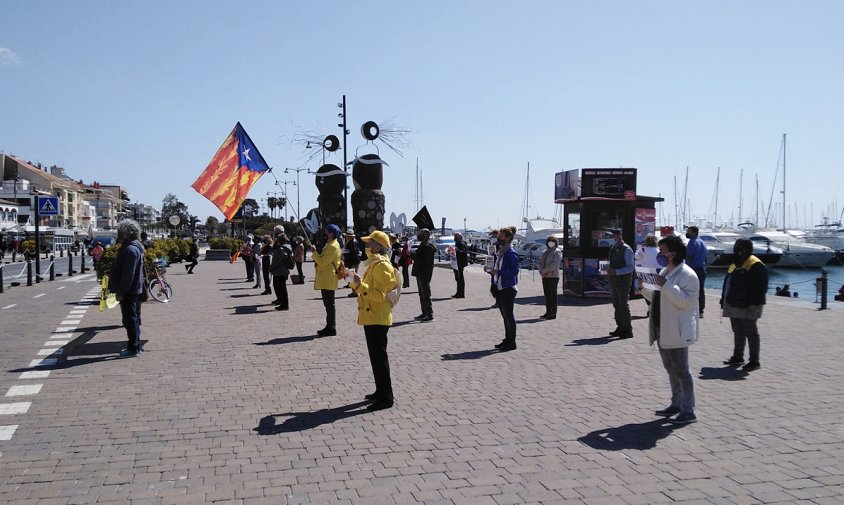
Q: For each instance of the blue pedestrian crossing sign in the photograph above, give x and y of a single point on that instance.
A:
(48, 205)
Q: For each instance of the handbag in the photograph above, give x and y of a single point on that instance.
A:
(108, 299)
(341, 272)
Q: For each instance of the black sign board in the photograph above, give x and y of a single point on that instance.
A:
(610, 183)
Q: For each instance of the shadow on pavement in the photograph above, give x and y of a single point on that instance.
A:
(531, 300)
(591, 341)
(477, 309)
(236, 289)
(469, 355)
(640, 436)
(247, 309)
(301, 421)
(727, 373)
(245, 295)
(287, 340)
(231, 279)
(403, 323)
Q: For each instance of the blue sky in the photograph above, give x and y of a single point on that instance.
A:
(143, 94)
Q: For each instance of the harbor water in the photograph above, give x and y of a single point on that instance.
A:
(800, 280)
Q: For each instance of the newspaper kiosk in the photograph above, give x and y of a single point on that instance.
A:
(596, 200)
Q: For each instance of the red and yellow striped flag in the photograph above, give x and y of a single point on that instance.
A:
(233, 171)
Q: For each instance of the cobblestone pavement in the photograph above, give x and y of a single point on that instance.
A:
(234, 402)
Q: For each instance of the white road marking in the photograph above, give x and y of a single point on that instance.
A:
(6, 432)
(62, 329)
(79, 278)
(43, 362)
(79, 311)
(29, 389)
(10, 306)
(74, 316)
(35, 374)
(60, 288)
(38, 296)
(64, 335)
(50, 352)
(56, 343)
(14, 408)
(69, 322)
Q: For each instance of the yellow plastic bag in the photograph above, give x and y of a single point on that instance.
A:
(107, 298)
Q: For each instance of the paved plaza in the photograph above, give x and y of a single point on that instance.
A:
(235, 403)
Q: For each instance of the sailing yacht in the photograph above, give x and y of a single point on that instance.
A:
(719, 247)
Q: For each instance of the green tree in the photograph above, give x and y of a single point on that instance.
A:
(171, 206)
(211, 224)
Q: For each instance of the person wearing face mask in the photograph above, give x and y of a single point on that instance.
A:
(742, 299)
(423, 270)
(620, 273)
(674, 326)
(648, 257)
(549, 269)
(326, 264)
(375, 313)
(505, 275)
(696, 258)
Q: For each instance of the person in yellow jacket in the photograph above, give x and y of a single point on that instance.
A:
(375, 313)
(327, 262)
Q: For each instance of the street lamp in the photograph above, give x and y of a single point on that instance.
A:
(278, 183)
(342, 115)
(297, 170)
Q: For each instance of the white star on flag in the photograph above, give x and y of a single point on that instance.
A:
(246, 155)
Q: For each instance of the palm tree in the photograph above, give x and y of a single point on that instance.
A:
(281, 203)
(272, 203)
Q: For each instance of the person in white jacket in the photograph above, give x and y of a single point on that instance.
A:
(674, 327)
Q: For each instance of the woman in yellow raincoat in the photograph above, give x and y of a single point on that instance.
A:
(375, 313)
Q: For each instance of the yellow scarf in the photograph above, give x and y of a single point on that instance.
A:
(747, 265)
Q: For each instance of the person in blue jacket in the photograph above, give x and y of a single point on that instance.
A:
(505, 274)
(126, 281)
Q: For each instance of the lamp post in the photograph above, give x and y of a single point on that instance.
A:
(297, 170)
(342, 105)
(285, 194)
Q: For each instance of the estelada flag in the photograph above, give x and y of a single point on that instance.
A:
(423, 219)
(236, 167)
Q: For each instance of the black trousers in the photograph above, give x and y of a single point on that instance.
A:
(299, 270)
(506, 301)
(330, 312)
(406, 275)
(701, 276)
(376, 344)
(247, 260)
(265, 270)
(280, 288)
(461, 282)
(130, 309)
(193, 263)
(549, 289)
(745, 331)
(424, 288)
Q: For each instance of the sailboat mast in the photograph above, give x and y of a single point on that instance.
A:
(740, 181)
(717, 186)
(783, 183)
(756, 217)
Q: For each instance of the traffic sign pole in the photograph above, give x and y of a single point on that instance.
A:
(37, 240)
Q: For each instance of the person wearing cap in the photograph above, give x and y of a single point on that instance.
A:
(351, 254)
(423, 270)
(620, 273)
(375, 314)
(326, 263)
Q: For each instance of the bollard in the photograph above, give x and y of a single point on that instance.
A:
(82, 268)
(822, 286)
(70, 265)
(1, 278)
(29, 272)
(52, 268)
(61, 252)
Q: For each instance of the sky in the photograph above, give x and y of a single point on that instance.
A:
(143, 94)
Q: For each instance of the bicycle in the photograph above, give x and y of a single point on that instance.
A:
(159, 289)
